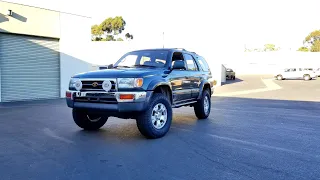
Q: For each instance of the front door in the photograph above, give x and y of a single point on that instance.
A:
(180, 86)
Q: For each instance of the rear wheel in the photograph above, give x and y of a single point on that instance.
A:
(88, 121)
(306, 77)
(279, 77)
(155, 122)
(203, 107)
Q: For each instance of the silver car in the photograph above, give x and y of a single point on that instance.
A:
(296, 73)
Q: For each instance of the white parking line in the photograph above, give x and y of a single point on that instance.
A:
(270, 86)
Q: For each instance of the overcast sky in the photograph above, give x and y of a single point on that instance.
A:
(228, 23)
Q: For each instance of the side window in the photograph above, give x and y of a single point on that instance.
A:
(203, 64)
(192, 66)
(177, 56)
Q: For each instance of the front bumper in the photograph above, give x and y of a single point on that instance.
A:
(138, 103)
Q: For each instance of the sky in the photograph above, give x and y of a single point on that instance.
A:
(223, 25)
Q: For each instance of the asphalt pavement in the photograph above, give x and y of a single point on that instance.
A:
(243, 138)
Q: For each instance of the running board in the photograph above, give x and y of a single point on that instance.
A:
(183, 104)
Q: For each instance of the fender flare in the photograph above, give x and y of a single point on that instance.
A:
(205, 82)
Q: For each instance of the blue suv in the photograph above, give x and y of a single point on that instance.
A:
(144, 85)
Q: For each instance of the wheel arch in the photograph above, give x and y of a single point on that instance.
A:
(204, 85)
(164, 88)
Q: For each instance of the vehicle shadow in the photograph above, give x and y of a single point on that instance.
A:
(231, 81)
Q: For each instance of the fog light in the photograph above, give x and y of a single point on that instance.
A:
(126, 96)
(68, 94)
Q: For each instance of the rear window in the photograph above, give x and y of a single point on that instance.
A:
(203, 63)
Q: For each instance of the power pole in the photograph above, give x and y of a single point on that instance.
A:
(162, 39)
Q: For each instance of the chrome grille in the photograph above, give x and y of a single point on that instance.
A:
(87, 85)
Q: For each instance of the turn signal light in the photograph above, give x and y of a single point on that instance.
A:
(139, 82)
(126, 96)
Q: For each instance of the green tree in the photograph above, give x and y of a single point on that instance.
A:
(313, 40)
(303, 49)
(113, 27)
(96, 32)
(119, 39)
(129, 36)
(270, 47)
(110, 38)
(316, 46)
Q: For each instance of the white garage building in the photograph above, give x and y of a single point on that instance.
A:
(40, 50)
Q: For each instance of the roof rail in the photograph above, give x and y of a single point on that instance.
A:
(181, 49)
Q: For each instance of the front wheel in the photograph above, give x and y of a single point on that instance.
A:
(203, 107)
(88, 121)
(155, 122)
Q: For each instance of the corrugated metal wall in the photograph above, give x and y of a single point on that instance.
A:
(30, 68)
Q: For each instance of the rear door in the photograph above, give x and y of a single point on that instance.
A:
(193, 75)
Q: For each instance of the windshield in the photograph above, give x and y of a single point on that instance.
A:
(152, 58)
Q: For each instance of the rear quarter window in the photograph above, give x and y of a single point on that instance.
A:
(203, 63)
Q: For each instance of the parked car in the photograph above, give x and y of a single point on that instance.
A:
(295, 73)
(317, 72)
(144, 85)
(230, 74)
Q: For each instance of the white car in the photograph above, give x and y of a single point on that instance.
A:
(317, 71)
(296, 73)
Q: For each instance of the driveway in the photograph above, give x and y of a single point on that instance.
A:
(266, 87)
(243, 139)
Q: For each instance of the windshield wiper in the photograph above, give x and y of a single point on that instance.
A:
(143, 65)
(123, 66)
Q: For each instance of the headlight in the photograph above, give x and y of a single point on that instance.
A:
(75, 83)
(130, 82)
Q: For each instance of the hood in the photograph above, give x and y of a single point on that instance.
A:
(121, 73)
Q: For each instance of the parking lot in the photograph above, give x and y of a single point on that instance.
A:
(259, 128)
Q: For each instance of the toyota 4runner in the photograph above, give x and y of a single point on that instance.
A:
(144, 85)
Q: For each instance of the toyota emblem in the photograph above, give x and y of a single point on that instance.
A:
(95, 84)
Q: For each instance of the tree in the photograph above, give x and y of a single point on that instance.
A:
(316, 46)
(303, 49)
(313, 41)
(129, 36)
(110, 28)
(110, 38)
(96, 32)
(270, 47)
(119, 39)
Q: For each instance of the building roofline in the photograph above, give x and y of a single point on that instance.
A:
(46, 9)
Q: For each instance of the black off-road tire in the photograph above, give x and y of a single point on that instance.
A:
(80, 117)
(199, 106)
(144, 121)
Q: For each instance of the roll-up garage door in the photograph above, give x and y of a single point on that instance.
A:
(30, 68)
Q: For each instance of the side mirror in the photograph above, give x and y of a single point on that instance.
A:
(110, 66)
(178, 64)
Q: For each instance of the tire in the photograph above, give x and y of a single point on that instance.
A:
(201, 110)
(84, 121)
(234, 77)
(279, 77)
(150, 124)
(306, 77)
